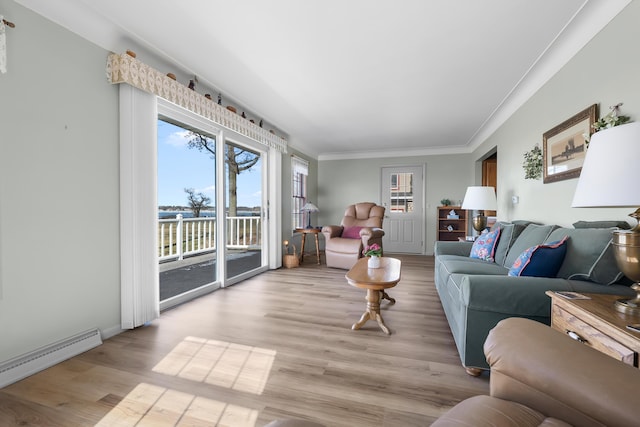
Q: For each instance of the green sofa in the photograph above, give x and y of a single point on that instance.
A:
(477, 294)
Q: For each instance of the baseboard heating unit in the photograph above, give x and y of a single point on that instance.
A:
(28, 364)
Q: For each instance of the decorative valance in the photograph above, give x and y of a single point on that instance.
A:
(124, 68)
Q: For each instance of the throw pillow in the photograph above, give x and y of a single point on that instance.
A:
(540, 260)
(485, 245)
(351, 232)
(589, 255)
(532, 235)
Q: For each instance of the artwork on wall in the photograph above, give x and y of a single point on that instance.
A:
(564, 146)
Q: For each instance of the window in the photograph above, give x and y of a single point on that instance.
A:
(299, 173)
(401, 192)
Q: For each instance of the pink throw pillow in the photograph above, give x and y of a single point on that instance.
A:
(351, 232)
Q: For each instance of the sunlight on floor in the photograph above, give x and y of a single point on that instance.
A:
(235, 366)
(238, 367)
(149, 405)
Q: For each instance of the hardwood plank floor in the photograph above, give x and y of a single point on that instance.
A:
(277, 345)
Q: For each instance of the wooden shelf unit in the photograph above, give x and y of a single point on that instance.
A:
(459, 226)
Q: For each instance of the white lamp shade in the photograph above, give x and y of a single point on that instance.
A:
(480, 198)
(310, 207)
(609, 173)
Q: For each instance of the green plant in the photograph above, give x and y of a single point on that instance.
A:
(610, 120)
(533, 163)
(445, 202)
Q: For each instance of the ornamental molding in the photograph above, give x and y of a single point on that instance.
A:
(123, 68)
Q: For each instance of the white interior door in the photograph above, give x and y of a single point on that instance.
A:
(402, 196)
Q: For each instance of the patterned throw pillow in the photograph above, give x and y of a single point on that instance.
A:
(485, 245)
(540, 260)
(351, 232)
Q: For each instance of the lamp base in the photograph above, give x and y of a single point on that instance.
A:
(630, 305)
(626, 249)
(479, 223)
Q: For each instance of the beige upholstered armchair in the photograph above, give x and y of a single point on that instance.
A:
(361, 226)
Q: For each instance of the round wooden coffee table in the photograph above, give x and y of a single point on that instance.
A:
(375, 281)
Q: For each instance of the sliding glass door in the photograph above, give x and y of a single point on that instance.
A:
(186, 183)
(244, 220)
(211, 204)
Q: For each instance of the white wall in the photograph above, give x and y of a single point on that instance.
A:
(344, 182)
(59, 200)
(605, 72)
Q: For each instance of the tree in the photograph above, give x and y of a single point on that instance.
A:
(236, 159)
(196, 201)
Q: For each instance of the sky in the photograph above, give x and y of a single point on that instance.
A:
(180, 167)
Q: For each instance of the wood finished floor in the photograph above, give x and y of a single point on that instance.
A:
(277, 345)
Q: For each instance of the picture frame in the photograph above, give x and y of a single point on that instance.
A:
(564, 147)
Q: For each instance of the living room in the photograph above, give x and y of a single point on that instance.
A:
(71, 161)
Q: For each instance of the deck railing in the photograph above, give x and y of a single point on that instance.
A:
(179, 237)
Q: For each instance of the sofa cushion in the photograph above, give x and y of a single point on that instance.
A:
(485, 245)
(540, 260)
(351, 232)
(470, 266)
(509, 232)
(524, 222)
(532, 235)
(589, 255)
(624, 225)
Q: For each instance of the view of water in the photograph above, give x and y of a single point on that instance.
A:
(203, 214)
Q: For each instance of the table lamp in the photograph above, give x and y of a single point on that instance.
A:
(309, 208)
(481, 199)
(608, 179)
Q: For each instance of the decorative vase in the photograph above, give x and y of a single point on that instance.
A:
(374, 262)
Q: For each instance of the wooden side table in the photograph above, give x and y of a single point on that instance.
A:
(305, 231)
(375, 281)
(596, 323)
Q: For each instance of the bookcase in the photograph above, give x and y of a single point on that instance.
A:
(450, 229)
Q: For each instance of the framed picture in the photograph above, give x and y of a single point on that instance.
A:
(564, 146)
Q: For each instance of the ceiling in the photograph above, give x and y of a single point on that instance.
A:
(355, 78)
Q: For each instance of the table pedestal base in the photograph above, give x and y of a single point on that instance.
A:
(373, 310)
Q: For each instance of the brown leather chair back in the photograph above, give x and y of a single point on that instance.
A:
(365, 214)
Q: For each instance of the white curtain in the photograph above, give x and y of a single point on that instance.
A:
(138, 207)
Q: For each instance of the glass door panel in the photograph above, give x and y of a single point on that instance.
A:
(186, 211)
(244, 223)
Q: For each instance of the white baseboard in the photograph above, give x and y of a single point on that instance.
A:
(111, 332)
(35, 361)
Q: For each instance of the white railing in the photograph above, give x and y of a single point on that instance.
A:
(179, 237)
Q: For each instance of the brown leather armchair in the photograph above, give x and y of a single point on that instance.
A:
(361, 226)
(541, 377)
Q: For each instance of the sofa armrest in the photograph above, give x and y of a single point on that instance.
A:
(370, 232)
(371, 235)
(543, 369)
(330, 231)
(452, 248)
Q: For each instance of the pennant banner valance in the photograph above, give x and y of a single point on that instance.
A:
(124, 68)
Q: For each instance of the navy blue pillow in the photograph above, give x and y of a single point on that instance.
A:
(540, 260)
